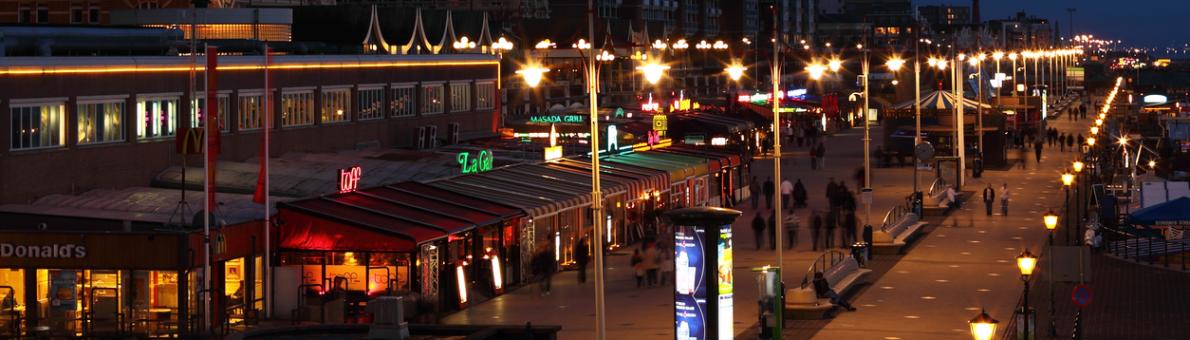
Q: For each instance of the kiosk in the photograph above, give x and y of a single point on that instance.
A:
(703, 277)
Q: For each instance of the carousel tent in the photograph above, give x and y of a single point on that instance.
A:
(940, 100)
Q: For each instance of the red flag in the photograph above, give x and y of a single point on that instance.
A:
(262, 178)
(212, 122)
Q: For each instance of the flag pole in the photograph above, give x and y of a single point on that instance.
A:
(206, 211)
(268, 262)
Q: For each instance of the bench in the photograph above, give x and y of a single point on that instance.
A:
(844, 276)
(894, 236)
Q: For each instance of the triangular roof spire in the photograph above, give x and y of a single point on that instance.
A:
(374, 40)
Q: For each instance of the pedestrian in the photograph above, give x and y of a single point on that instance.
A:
(832, 218)
(652, 261)
(849, 229)
(1080, 141)
(754, 192)
(1070, 142)
(758, 229)
(859, 177)
(667, 267)
(786, 193)
(581, 257)
(989, 198)
(823, 289)
(868, 239)
(830, 192)
(543, 266)
(1037, 151)
(1004, 200)
(822, 155)
(815, 229)
(768, 192)
(792, 223)
(1061, 142)
(638, 268)
(799, 194)
(814, 157)
(951, 199)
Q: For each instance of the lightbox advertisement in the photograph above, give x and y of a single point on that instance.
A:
(725, 275)
(690, 296)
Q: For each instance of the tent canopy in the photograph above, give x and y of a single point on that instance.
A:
(941, 100)
(1173, 212)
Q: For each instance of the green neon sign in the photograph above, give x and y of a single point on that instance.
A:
(482, 162)
(556, 119)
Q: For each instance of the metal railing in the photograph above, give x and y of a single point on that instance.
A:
(825, 261)
(894, 217)
(1145, 248)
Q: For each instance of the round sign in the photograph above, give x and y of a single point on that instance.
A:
(924, 151)
(1081, 296)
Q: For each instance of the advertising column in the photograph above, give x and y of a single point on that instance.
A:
(703, 275)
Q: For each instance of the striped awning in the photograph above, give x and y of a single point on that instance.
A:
(653, 179)
(940, 100)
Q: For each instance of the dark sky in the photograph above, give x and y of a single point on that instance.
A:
(1144, 23)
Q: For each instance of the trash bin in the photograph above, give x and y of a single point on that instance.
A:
(917, 203)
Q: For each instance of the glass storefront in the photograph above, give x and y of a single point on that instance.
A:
(73, 302)
(352, 272)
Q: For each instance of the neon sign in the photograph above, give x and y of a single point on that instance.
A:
(613, 143)
(554, 119)
(482, 162)
(553, 152)
(660, 122)
(349, 179)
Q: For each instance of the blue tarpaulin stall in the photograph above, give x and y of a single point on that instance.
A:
(1172, 213)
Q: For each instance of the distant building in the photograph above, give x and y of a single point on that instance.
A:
(1022, 32)
(941, 18)
(877, 23)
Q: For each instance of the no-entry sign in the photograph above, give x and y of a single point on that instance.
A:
(1081, 296)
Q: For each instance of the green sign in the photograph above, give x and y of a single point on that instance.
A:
(482, 162)
(553, 119)
(619, 112)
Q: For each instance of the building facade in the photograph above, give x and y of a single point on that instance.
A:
(84, 123)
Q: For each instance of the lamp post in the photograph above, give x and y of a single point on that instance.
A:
(977, 61)
(1012, 56)
(867, 142)
(983, 326)
(1067, 181)
(1079, 192)
(1051, 223)
(596, 188)
(1026, 262)
(776, 105)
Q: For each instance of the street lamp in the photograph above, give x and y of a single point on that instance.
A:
(532, 74)
(894, 64)
(815, 70)
(834, 64)
(1051, 223)
(1026, 262)
(1078, 166)
(735, 71)
(1094, 130)
(983, 326)
(1091, 141)
(653, 71)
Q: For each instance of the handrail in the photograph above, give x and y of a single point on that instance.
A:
(937, 186)
(819, 265)
(893, 216)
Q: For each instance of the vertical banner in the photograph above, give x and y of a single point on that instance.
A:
(726, 280)
(262, 181)
(211, 124)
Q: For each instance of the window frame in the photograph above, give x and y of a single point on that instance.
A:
(38, 103)
(372, 90)
(491, 102)
(324, 106)
(412, 107)
(311, 107)
(440, 108)
(463, 105)
(102, 100)
(176, 97)
(223, 98)
(261, 109)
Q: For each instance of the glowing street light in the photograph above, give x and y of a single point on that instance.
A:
(834, 64)
(719, 45)
(895, 63)
(1091, 141)
(463, 44)
(1026, 262)
(532, 74)
(997, 55)
(605, 56)
(502, 44)
(1051, 220)
(1094, 130)
(816, 70)
(1078, 166)
(735, 71)
(703, 45)
(983, 326)
(660, 45)
(1067, 179)
(545, 44)
(681, 44)
(1123, 140)
(653, 70)
(582, 44)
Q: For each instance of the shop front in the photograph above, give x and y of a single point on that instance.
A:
(725, 169)
(626, 212)
(74, 284)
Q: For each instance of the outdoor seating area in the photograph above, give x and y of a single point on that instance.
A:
(844, 275)
(900, 227)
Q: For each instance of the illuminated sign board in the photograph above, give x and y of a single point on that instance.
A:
(690, 291)
(555, 119)
(482, 162)
(349, 179)
(1155, 99)
(660, 122)
(726, 278)
(553, 152)
(613, 140)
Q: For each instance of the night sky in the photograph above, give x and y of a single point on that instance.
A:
(1142, 23)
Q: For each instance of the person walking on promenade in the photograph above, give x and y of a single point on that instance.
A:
(638, 268)
(1023, 156)
(543, 266)
(832, 218)
(850, 225)
(581, 258)
(815, 229)
(792, 224)
(1070, 142)
(758, 229)
(989, 198)
(1004, 200)
(1037, 151)
(822, 155)
(786, 193)
(768, 192)
(799, 194)
(1061, 142)
(814, 157)
(754, 192)
(651, 263)
(1080, 141)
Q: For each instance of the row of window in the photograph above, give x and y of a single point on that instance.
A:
(40, 14)
(42, 123)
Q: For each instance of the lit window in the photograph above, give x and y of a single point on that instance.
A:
(460, 97)
(431, 99)
(371, 103)
(37, 126)
(250, 114)
(401, 103)
(157, 117)
(297, 108)
(198, 109)
(485, 93)
(100, 121)
(336, 105)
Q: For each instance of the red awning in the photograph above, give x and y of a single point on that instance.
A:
(378, 205)
(472, 215)
(324, 224)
